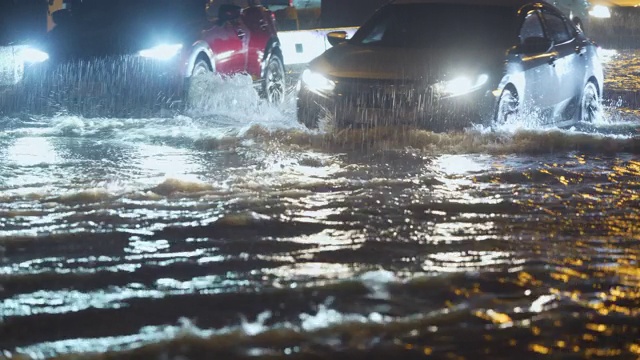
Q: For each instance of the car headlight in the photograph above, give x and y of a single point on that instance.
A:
(161, 52)
(317, 82)
(32, 55)
(600, 11)
(460, 85)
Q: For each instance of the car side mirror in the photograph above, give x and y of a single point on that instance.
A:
(61, 16)
(337, 37)
(229, 12)
(535, 45)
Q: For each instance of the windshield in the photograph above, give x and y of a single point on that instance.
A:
(438, 25)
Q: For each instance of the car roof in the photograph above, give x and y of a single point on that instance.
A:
(516, 4)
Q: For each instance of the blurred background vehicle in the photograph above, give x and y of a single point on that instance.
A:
(149, 50)
(22, 32)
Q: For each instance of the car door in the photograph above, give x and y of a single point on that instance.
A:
(539, 76)
(569, 66)
(261, 29)
(229, 42)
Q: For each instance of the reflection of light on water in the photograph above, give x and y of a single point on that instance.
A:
(285, 168)
(458, 261)
(451, 169)
(139, 246)
(314, 270)
(164, 160)
(454, 172)
(65, 301)
(538, 305)
(460, 231)
(460, 164)
(31, 151)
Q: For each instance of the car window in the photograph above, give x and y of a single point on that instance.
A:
(531, 27)
(557, 28)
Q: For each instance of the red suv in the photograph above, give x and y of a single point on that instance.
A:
(119, 54)
(241, 40)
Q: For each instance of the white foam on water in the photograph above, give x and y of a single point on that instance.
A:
(258, 326)
(378, 281)
(324, 318)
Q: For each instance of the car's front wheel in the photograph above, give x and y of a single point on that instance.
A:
(195, 84)
(273, 84)
(200, 68)
(590, 106)
(508, 107)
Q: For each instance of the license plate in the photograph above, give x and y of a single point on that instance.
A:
(11, 67)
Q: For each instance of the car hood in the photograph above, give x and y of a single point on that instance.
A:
(404, 64)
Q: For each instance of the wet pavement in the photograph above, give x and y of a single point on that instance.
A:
(232, 232)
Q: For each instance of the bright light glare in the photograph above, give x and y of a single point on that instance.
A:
(317, 82)
(461, 85)
(600, 11)
(33, 55)
(162, 52)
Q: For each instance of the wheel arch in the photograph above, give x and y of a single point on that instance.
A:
(496, 108)
(200, 50)
(508, 86)
(593, 80)
(511, 87)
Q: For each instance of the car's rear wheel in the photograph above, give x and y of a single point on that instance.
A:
(590, 106)
(273, 85)
(508, 107)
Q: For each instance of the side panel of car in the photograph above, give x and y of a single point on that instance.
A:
(595, 66)
(569, 66)
(261, 30)
(199, 49)
(229, 43)
(539, 76)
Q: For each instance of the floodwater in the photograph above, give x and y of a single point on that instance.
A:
(233, 233)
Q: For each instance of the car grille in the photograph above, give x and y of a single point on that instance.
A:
(378, 94)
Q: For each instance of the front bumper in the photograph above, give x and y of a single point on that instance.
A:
(125, 85)
(368, 104)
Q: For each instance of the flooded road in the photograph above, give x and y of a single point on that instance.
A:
(235, 233)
